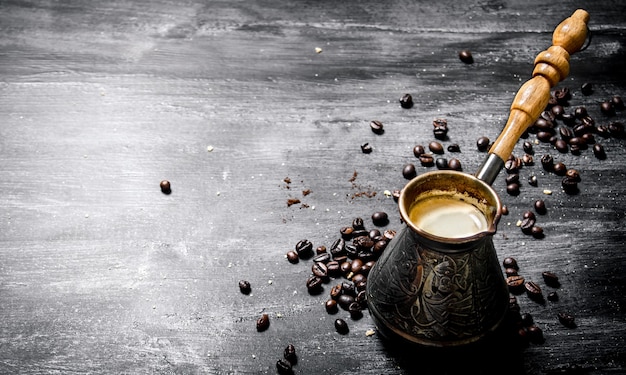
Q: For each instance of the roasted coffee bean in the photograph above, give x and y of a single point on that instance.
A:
(547, 162)
(321, 250)
(561, 146)
(528, 215)
(483, 144)
(331, 306)
(588, 138)
(533, 291)
(345, 300)
(580, 112)
(322, 258)
(290, 354)
(559, 169)
(166, 187)
(515, 283)
(616, 129)
(374, 233)
(582, 129)
(345, 267)
(512, 179)
(603, 131)
(454, 148)
(537, 231)
(441, 163)
(528, 147)
(553, 140)
(558, 111)
(304, 248)
(346, 233)
(566, 133)
(588, 122)
(511, 272)
(435, 147)
(366, 148)
(338, 248)
(618, 103)
(548, 116)
(361, 298)
(535, 334)
(334, 268)
(528, 160)
(513, 189)
(578, 142)
(567, 320)
(544, 136)
(540, 207)
(314, 284)
(357, 223)
(427, 160)
(293, 257)
(367, 267)
(380, 218)
(562, 95)
(527, 225)
(360, 286)
(348, 288)
(569, 186)
(455, 164)
(389, 234)
(358, 277)
(356, 265)
(568, 119)
(513, 305)
(396, 195)
(408, 171)
(527, 319)
(573, 174)
(532, 180)
(379, 247)
(320, 270)
(511, 166)
(418, 150)
(505, 209)
(360, 232)
(598, 151)
(244, 287)
(355, 310)
(551, 279)
(284, 367)
(440, 129)
(466, 56)
(336, 291)
(553, 297)
(263, 323)
(607, 108)
(510, 262)
(377, 127)
(406, 101)
(586, 89)
(341, 326)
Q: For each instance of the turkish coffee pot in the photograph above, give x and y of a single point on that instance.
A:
(439, 282)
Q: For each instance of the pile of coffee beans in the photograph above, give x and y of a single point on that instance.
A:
(428, 159)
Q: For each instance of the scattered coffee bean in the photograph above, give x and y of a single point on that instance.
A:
(355, 310)
(550, 279)
(380, 218)
(568, 119)
(598, 151)
(455, 164)
(527, 225)
(513, 189)
(510, 262)
(515, 283)
(532, 180)
(547, 162)
(505, 209)
(244, 287)
(567, 320)
(321, 250)
(441, 163)
(540, 207)
(512, 179)
(165, 187)
(293, 257)
(580, 112)
(377, 127)
(454, 148)
(426, 160)
(511, 166)
(290, 354)
(483, 144)
(304, 248)
(569, 186)
(528, 160)
(435, 147)
(263, 323)
(528, 147)
(562, 95)
(533, 291)
(314, 285)
(440, 129)
(396, 195)
(366, 148)
(573, 174)
(341, 326)
(561, 146)
(511, 272)
(324, 258)
(528, 215)
(418, 150)
(537, 231)
(535, 334)
(607, 108)
(618, 103)
(527, 319)
(586, 89)
(320, 270)
(616, 129)
(409, 171)
(558, 111)
(358, 224)
(559, 169)
(466, 56)
(553, 297)
(406, 101)
(331, 306)
(588, 138)
(284, 367)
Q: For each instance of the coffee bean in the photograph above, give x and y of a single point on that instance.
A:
(567, 320)
(537, 231)
(511, 272)
(505, 209)
(165, 187)
(356, 265)
(357, 223)
(566, 133)
(607, 108)
(528, 160)
(409, 171)
(284, 367)
(345, 300)
(544, 137)
(355, 310)
(341, 326)
(511, 166)
(334, 268)
(426, 160)
(367, 267)
(379, 247)
(454, 148)
(532, 180)
(540, 206)
(466, 56)
(568, 119)
(336, 292)
(304, 248)
(528, 215)
(440, 129)
(528, 147)
(320, 270)
(338, 248)
(599, 152)
(396, 195)
(510, 262)
(533, 291)
(406, 101)
(527, 225)
(588, 138)
(527, 319)
(320, 250)
(366, 148)
(512, 179)
(553, 297)
(324, 258)
(290, 354)
(483, 144)
(573, 174)
(293, 257)
(558, 111)
(263, 323)
(561, 146)
(435, 147)
(559, 169)
(418, 150)
(345, 267)
(617, 129)
(586, 89)
(569, 186)
(314, 285)
(551, 279)
(348, 288)
(389, 234)
(455, 164)
(618, 103)
(244, 287)
(380, 218)
(441, 163)
(331, 306)
(562, 95)
(547, 162)
(377, 127)
(515, 283)
(580, 112)
(603, 131)
(535, 334)
(513, 189)
(358, 278)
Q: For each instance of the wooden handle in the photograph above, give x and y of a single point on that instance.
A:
(551, 67)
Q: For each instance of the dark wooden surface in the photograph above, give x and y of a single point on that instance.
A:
(99, 101)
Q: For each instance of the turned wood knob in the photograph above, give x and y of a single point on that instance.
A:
(551, 67)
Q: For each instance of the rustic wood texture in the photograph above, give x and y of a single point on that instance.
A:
(101, 100)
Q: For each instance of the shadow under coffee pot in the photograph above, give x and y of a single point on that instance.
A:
(439, 281)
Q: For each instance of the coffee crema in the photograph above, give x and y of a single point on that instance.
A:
(447, 217)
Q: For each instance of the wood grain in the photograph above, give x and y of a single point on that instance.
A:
(99, 101)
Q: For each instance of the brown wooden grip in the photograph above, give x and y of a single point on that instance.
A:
(551, 67)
